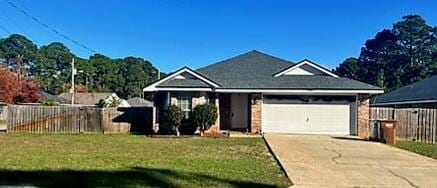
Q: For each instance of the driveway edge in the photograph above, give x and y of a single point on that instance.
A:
(278, 161)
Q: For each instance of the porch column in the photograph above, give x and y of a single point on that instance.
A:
(255, 112)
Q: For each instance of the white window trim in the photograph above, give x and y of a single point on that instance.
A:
(185, 103)
(152, 87)
(306, 62)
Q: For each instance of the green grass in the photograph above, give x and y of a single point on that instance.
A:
(136, 161)
(425, 149)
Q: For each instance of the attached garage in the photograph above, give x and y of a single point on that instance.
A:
(332, 115)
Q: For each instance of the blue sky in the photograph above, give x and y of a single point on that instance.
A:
(176, 33)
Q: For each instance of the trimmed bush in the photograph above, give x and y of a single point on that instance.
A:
(204, 116)
(173, 117)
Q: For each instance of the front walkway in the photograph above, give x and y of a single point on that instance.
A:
(324, 161)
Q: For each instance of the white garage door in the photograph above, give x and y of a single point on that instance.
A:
(306, 118)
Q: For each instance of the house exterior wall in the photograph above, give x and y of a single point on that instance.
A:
(173, 100)
(363, 116)
(255, 112)
(199, 98)
(222, 101)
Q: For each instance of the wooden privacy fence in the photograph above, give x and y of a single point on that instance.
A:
(3, 112)
(419, 124)
(74, 119)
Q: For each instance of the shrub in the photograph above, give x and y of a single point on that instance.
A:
(204, 116)
(110, 102)
(173, 117)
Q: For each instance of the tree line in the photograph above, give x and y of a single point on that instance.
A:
(395, 57)
(51, 66)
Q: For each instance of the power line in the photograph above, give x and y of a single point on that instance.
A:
(24, 6)
(48, 27)
(50, 34)
(15, 23)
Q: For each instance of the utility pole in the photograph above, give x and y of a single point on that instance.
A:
(73, 72)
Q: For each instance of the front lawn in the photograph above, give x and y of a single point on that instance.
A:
(429, 150)
(136, 161)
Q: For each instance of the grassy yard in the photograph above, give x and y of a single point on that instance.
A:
(136, 161)
(429, 150)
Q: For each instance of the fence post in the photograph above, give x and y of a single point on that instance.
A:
(102, 120)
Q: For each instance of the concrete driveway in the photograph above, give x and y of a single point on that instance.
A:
(324, 161)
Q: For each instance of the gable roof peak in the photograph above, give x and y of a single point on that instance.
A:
(306, 62)
(171, 76)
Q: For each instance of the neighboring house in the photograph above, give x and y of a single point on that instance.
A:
(139, 102)
(259, 93)
(92, 99)
(47, 97)
(419, 94)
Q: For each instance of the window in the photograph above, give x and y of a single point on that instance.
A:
(184, 102)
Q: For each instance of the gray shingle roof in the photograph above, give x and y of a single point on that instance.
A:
(139, 102)
(86, 98)
(419, 91)
(47, 97)
(255, 70)
(184, 83)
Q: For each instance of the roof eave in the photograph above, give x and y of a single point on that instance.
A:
(154, 85)
(273, 90)
(404, 102)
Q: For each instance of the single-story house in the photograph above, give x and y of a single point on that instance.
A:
(419, 94)
(259, 93)
(92, 99)
(47, 97)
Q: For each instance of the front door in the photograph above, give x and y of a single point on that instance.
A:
(239, 111)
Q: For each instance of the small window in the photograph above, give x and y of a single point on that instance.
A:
(184, 102)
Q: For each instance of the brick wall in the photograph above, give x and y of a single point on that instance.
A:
(363, 116)
(255, 112)
(173, 100)
(199, 98)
